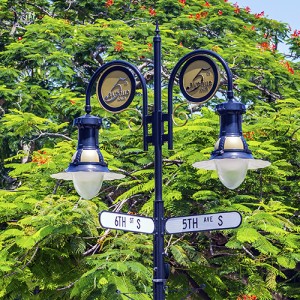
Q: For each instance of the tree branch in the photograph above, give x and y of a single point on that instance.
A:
(248, 252)
(41, 9)
(68, 286)
(50, 134)
(28, 263)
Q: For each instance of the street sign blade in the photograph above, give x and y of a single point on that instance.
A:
(215, 221)
(126, 222)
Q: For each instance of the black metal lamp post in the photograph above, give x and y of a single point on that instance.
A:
(198, 82)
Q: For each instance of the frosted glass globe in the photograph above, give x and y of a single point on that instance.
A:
(87, 184)
(231, 172)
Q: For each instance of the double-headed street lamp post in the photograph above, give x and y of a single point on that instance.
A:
(199, 79)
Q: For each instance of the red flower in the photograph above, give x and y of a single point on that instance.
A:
(267, 46)
(264, 46)
(206, 4)
(247, 297)
(42, 152)
(249, 135)
(288, 67)
(150, 47)
(72, 101)
(247, 9)
(220, 13)
(295, 34)
(109, 3)
(182, 2)
(152, 12)
(260, 15)
(191, 16)
(204, 14)
(198, 16)
(237, 10)
(225, 0)
(119, 46)
(41, 160)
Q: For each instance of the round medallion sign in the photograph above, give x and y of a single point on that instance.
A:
(116, 88)
(199, 79)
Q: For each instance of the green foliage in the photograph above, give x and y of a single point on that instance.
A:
(51, 244)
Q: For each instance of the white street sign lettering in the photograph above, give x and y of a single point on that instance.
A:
(126, 222)
(216, 221)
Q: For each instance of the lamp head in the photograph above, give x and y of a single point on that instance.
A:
(87, 169)
(231, 157)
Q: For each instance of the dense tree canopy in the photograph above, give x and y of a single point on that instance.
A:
(52, 246)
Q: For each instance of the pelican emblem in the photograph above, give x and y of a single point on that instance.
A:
(198, 81)
(118, 92)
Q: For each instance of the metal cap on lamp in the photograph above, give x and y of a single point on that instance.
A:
(231, 157)
(87, 169)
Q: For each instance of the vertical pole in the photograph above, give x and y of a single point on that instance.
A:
(158, 240)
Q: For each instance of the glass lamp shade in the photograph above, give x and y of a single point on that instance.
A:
(87, 184)
(231, 171)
